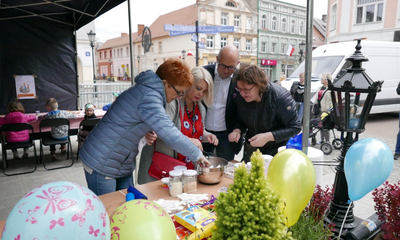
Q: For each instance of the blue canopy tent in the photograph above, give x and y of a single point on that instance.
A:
(38, 38)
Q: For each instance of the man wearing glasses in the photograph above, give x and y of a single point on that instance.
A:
(221, 116)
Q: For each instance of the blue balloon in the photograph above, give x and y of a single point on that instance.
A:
(58, 210)
(368, 163)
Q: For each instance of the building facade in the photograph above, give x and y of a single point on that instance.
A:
(365, 19)
(240, 14)
(281, 25)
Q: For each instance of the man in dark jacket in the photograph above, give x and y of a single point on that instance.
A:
(221, 116)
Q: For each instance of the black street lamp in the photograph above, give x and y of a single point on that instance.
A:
(138, 64)
(92, 40)
(301, 46)
(353, 95)
(183, 54)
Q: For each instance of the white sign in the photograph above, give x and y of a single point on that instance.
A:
(25, 86)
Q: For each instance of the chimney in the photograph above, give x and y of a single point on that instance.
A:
(324, 17)
(124, 34)
(140, 28)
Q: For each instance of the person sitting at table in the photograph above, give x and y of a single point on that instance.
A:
(106, 107)
(266, 111)
(60, 132)
(89, 113)
(16, 115)
(109, 152)
(188, 114)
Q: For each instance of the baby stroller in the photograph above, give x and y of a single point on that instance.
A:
(319, 125)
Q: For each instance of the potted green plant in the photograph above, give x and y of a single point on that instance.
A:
(250, 209)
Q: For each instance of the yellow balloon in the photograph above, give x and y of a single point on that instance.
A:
(141, 219)
(291, 174)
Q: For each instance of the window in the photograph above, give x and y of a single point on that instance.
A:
(224, 19)
(114, 53)
(284, 25)
(122, 54)
(223, 42)
(249, 24)
(273, 49)
(263, 47)
(127, 51)
(248, 45)
(283, 48)
(230, 4)
(236, 21)
(369, 11)
(210, 42)
(333, 17)
(236, 42)
(117, 53)
(160, 47)
(105, 54)
(264, 22)
(292, 26)
(273, 24)
(100, 55)
(110, 53)
(301, 28)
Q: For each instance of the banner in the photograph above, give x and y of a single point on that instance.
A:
(25, 86)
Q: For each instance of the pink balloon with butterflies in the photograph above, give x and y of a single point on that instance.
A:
(58, 210)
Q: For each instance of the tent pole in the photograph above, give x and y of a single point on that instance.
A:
(307, 82)
(76, 70)
(130, 42)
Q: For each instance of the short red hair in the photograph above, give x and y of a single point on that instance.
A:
(176, 72)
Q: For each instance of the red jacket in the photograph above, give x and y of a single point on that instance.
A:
(17, 117)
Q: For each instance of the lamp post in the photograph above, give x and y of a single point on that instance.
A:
(138, 64)
(352, 96)
(301, 46)
(183, 54)
(92, 39)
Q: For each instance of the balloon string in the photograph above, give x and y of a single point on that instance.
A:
(341, 228)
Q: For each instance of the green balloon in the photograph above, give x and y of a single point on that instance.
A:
(141, 219)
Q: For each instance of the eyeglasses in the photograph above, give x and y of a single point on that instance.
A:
(180, 94)
(244, 90)
(223, 66)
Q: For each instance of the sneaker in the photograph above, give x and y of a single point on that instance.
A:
(396, 156)
(63, 150)
(16, 155)
(53, 156)
(25, 155)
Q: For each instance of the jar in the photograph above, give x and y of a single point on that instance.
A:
(180, 168)
(175, 183)
(189, 181)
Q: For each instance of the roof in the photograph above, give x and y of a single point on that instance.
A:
(184, 16)
(66, 12)
(320, 25)
(121, 40)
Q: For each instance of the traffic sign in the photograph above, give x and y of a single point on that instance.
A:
(194, 38)
(179, 28)
(202, 45)
(214, 29)
(177, 33)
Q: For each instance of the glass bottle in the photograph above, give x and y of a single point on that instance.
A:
(189, 181)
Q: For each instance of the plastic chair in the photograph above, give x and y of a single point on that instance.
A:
(16, 127)
(90, 122)
(46, 139)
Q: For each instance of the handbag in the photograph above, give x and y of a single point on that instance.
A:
(162, 164)
(315, 109)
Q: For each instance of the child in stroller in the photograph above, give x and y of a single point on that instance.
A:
(319, 125)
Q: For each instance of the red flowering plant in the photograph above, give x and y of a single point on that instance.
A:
(311, 225)
(387, 206)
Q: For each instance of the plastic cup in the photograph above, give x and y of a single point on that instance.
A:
(37, 113)
(164, 182)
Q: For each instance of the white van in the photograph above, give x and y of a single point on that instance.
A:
(383, 64)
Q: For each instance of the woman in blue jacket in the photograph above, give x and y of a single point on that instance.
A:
(109, 152)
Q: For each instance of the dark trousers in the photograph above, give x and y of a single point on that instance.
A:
(224, 148)
(53, 147)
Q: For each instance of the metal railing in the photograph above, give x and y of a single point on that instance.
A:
(100, 94)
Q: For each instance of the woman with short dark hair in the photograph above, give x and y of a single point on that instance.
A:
(266, 112)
